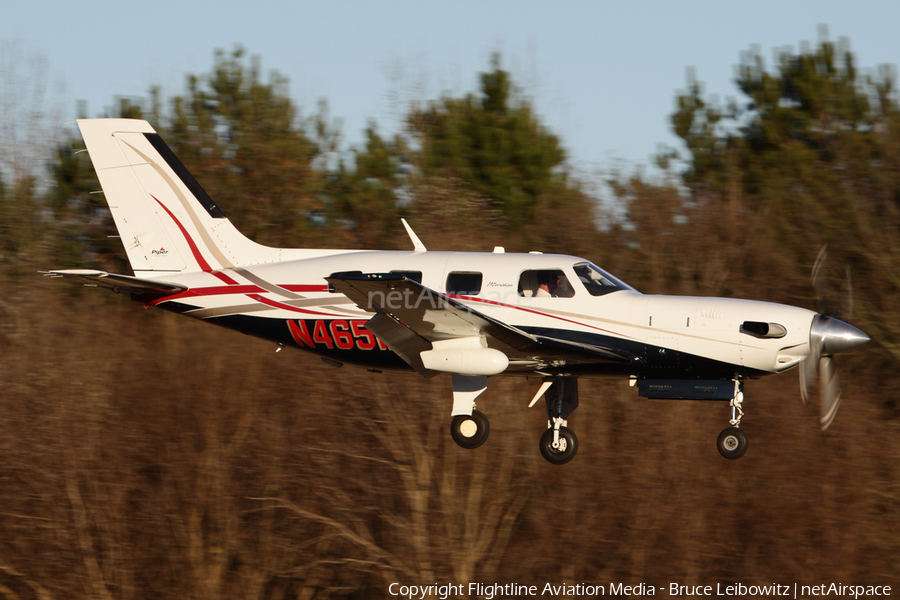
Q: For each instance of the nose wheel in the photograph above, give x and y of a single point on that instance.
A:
(558, 443)
(559, 446)
(732, 443)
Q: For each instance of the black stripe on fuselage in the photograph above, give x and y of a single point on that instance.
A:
(657, 362)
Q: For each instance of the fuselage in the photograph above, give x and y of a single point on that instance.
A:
(291, 303)
(470, 315)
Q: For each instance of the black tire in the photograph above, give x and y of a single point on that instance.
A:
(470, 431)
(568, 446)
(732, 443)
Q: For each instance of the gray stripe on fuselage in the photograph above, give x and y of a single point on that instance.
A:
(270, 287)
(327, 303)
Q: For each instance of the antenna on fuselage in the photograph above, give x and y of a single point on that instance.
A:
(417, 243)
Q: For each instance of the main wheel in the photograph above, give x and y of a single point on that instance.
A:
(732, 443)
(568, 446)
(470, 431)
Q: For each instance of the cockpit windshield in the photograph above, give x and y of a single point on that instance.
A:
(597, 281)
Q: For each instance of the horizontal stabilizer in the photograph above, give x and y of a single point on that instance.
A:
(121, 284)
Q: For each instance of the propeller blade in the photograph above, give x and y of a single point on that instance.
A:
(818, 284)
(807, 373)
(848, 294)
(809, 368)
(827, 335)
(829, 391)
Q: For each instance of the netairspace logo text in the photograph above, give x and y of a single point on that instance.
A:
(489, 591)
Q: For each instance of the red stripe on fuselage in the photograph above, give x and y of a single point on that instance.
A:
(224, 277)
(236, 288)
(535, 312)
(300, 287)
(211, 291)
(251, 291)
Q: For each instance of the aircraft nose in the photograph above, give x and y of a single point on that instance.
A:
(835, 336)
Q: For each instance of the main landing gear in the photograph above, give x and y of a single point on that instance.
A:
(732, 442)
(470, 431)
(469, 427)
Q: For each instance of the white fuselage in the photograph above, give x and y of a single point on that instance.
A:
(708, 328)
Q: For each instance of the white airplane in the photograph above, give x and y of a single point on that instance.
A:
(473, 315)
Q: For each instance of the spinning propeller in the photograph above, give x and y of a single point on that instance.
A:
(827, 336)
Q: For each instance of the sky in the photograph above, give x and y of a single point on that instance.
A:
(602, 75)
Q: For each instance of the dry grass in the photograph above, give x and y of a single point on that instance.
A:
(147, 455)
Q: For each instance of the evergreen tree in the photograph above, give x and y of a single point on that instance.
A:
(809, 157)
(494, 156)
(246, 143)
(494, 143)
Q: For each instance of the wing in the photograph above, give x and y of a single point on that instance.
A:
(412, 317)
(146, 289)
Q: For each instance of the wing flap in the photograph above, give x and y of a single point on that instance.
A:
(403, 341)
(432, 315)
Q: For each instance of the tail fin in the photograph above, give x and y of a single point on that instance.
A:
(167, 222)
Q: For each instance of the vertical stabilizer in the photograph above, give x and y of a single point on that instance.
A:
(166, 221)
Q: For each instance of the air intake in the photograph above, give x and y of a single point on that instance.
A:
(763, 330)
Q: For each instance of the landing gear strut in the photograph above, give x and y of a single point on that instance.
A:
(558, 443)
(732, 442)
(469, 427)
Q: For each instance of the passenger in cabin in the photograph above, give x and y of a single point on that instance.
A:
(547, 284)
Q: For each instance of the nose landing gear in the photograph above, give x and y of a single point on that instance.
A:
(558, 443)
(732, 442)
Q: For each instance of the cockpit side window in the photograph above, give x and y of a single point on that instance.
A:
(545, 283)
(597, 281)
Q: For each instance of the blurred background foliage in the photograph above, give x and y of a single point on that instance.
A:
(146, 456)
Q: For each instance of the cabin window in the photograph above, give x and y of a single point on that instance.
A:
(411, 275)
(464, 283)
(545, 283)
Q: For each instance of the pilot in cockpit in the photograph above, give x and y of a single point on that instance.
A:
(545, 284)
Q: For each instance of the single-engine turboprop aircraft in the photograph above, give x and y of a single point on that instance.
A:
(473, 315)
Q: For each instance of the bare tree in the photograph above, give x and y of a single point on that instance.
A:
(30, 112)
